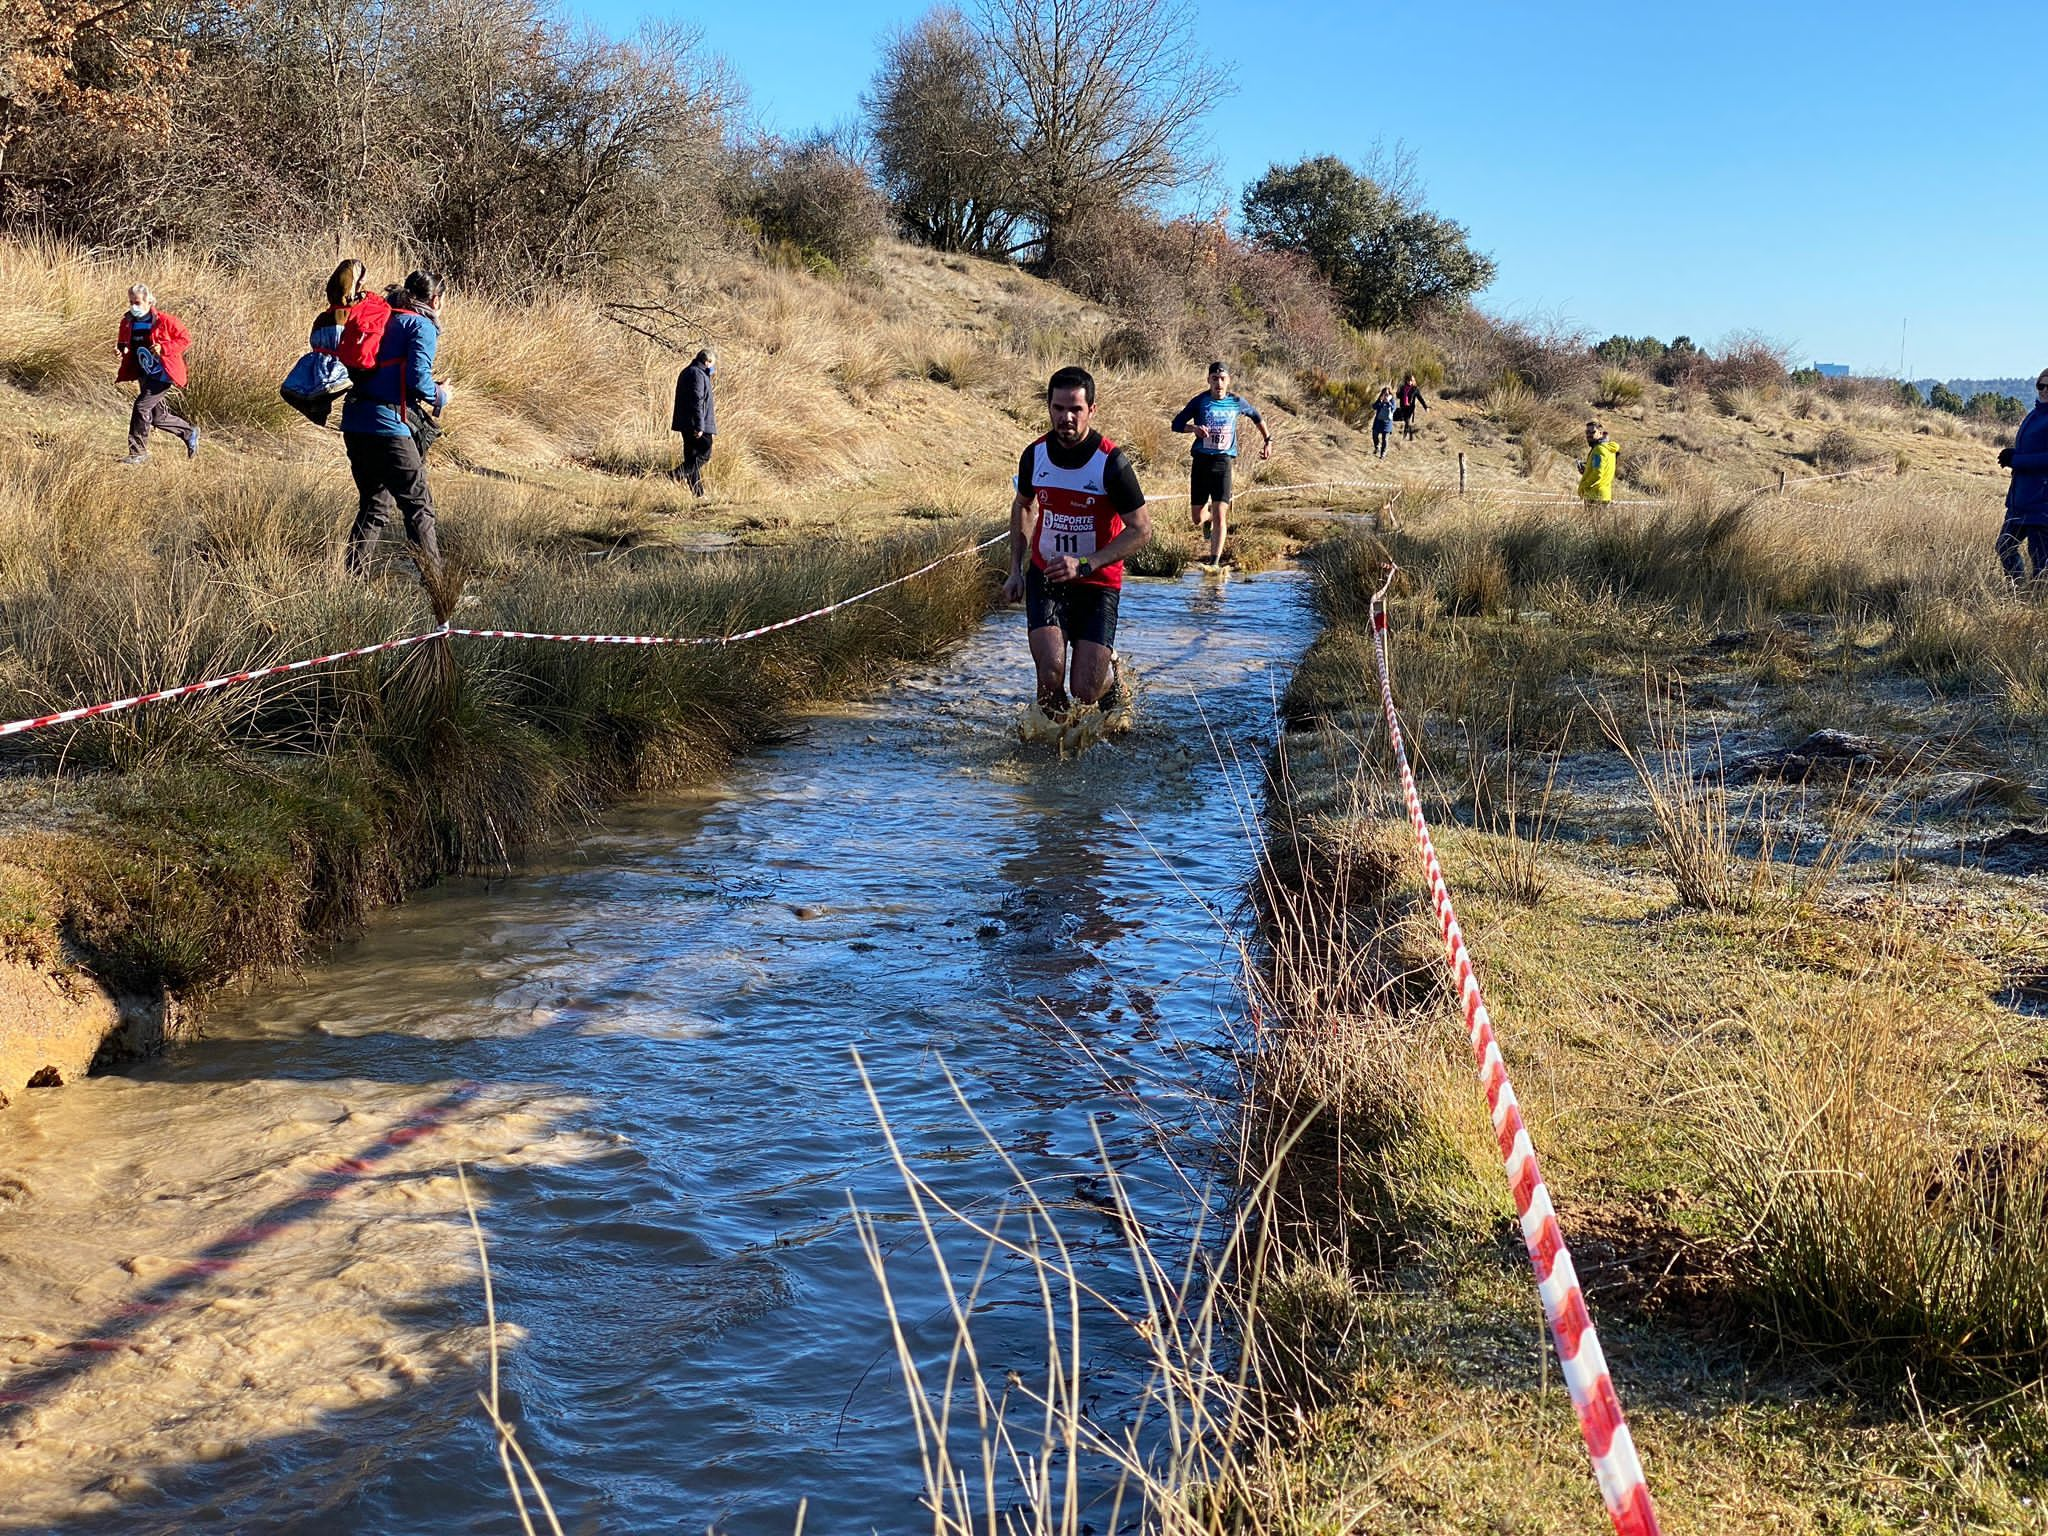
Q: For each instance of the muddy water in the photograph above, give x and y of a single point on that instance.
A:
(237, 1288)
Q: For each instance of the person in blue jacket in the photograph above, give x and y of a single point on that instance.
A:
(383, 455)
(2026, 502)
(1213, 416)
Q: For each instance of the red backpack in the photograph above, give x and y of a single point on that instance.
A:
(363, 335)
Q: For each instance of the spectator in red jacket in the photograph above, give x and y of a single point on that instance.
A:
(152, 347)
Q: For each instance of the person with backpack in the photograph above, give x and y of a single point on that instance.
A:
(151, 345)
(695, 417)
(319, 379)
(1382, 421)
(2026, 499)
(1407, 401)
(388, 347)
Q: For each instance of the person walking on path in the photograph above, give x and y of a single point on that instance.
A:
(1407, 401)
(1213, 416)
(2026, 500)
(383, 455)
(1077, 513)
(151, 345)
(696, 418)
(1383, 410)
(1596, 469)
(318, 379)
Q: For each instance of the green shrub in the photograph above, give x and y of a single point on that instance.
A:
(1617, 387)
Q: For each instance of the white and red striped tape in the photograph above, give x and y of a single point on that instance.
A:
(1613, 1449)
(186, 690)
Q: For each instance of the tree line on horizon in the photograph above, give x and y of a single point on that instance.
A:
(517, 150)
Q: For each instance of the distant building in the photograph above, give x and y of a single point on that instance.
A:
(1832, 370)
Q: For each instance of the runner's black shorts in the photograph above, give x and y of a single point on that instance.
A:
(1083, 610)
(1209, 478)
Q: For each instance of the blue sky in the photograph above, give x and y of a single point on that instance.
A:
(1819, 172)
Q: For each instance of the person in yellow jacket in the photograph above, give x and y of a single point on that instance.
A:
(1596, 479)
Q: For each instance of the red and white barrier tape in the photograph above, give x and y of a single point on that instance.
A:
(114, 706)
(1613, 1449)
(185, 690)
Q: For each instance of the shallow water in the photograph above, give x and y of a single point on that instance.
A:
(237, 1287)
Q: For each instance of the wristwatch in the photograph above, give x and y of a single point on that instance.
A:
(1087, 569)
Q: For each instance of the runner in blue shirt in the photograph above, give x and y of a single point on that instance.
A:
(1213, 416)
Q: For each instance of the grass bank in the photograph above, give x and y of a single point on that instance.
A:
(187, 844)
(1739, 804)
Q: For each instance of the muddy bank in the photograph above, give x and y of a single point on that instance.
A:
(56, 1025)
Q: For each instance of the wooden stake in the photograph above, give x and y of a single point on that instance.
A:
(1461, 474)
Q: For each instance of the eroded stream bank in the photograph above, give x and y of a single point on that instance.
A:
(239, 1290)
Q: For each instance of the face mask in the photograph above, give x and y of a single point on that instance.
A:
(139, 311)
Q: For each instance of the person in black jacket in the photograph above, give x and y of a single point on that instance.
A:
(695, 418)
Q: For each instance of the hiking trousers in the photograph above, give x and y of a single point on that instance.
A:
(389, 474)
(696, 454)
(2010, 537)
(151, 410)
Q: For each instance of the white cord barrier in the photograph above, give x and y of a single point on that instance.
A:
(186, 690)
(1323, 485)
(733, 639)
(1613, 1449)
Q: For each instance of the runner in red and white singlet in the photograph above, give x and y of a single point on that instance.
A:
(1077, 512)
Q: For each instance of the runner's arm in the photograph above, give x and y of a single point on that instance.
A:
(1022, 525)
(1185, 421)
(1266, 445)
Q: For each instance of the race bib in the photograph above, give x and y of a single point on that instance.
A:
(1065, 533)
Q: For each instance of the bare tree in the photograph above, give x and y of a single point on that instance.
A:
(942, 147)
(1102, 99)
(556, 154)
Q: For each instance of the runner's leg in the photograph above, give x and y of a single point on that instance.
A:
(1092, 666)
(1219, 530)
(1049, 656)
(1046, 620)
(1092, 612)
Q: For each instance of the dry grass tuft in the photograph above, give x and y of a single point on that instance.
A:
(1688, 804)
(1874, 1216)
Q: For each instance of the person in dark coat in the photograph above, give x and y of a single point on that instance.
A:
(2026, 502)
(695, 417)
(1407, 401)
(151, 345)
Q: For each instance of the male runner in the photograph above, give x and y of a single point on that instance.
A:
(1212, 417)
(1077, 512)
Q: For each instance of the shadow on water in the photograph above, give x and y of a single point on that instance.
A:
(646, 1049)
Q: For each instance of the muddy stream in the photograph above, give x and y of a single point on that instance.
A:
(237, 1287)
